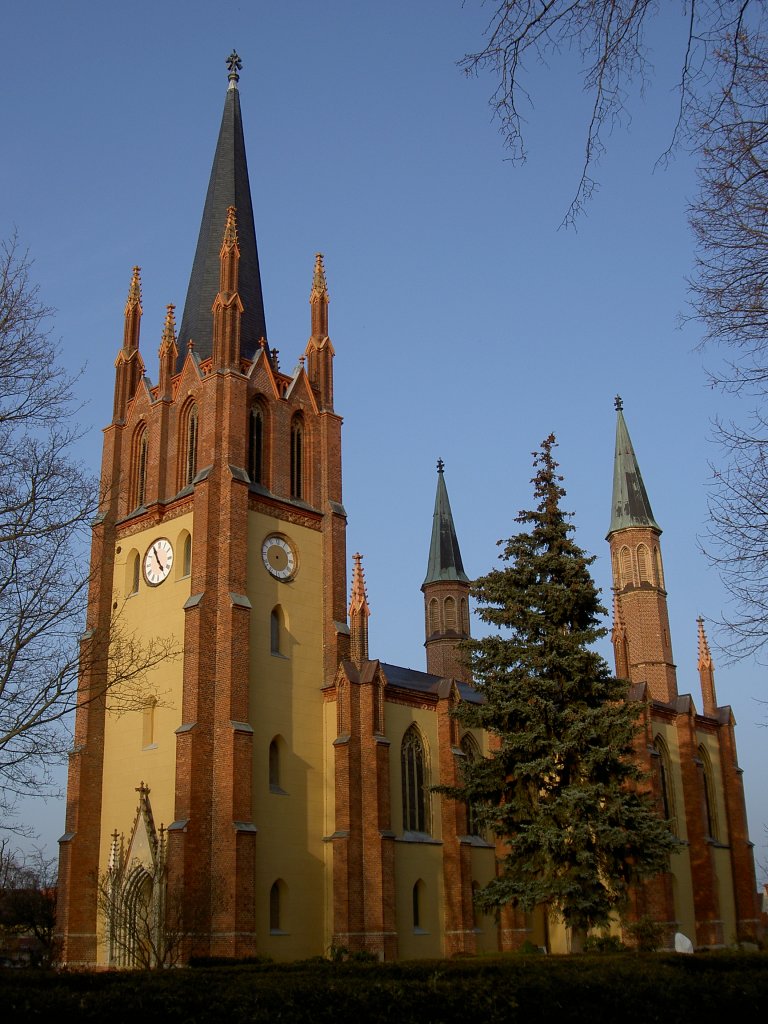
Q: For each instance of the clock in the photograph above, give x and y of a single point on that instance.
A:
(158, 561)
(279, 557)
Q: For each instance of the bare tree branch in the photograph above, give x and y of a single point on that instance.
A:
(47, 503)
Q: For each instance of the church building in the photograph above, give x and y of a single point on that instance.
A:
(266, 787)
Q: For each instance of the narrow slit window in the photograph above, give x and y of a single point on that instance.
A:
(274, 765)
(139, 489)
(297, 460)
(135, 573)
(190, 460)
(255, 445)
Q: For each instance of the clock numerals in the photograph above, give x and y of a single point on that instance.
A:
(279, 557)
(158, 561)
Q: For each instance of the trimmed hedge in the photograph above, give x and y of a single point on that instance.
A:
(634, 989)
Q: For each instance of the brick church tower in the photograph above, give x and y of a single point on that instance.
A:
(689, 754)
(221, 542)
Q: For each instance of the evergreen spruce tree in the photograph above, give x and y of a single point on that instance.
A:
(560, 785)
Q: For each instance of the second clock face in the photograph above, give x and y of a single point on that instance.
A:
(279, 557)
(158, 561)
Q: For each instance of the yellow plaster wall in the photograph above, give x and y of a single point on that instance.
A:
(721, 854)
(286, 701)
(151, 613)
(416, 860)
(680, 862)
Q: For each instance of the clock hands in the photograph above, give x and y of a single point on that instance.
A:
(159, 563)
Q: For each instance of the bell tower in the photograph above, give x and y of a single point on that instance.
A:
(641, 621)
(219, 553)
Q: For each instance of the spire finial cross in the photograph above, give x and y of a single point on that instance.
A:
(618, 404)
(440, 465)
(234, 64)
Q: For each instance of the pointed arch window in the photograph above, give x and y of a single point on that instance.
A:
(625, 566)
(413, 764)
(189, 467)
(434, 616)
(464, 617)
(187, 556)
(471, 753)
(643, 564)
(139, 481)
(665, 782)
(277, 901)
(297, 459)
(256, 445)
(134, 573)
(710, 806)
(449, 610)
(277, 644)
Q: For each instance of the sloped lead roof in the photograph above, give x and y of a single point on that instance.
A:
(444, 555)
(630, 505)
(228, 186)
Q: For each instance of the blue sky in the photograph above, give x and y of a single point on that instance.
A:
(466, 325)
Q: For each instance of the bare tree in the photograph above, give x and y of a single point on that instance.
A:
(722, 117)
(730, 296)
(610, 38)
(47, 501)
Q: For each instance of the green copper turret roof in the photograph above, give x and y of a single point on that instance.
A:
(444, 555)
(228, 186)
(630, 505)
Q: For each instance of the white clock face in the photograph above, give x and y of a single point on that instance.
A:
(158, 561)
(279, 557)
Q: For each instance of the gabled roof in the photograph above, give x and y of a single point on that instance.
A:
(630, 505)
(444, 556)
(228, 186)
(425, 682)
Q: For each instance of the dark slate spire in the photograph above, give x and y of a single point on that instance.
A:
(630, 505)
(444, 555)
(228, 186)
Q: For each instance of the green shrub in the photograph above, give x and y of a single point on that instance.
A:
(604, 943)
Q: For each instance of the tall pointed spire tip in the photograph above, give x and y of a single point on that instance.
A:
(630, 505)
(228, 186)
(319, 283)
(134, 291)
(359, 597)
(705, 655)
(444, 554)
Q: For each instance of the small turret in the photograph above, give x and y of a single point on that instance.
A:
(319, 350)
(706, 673)
(129, 368)
(227, 307)
(133, 312)
(168, 353)
(446, 593)
(359, 613)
